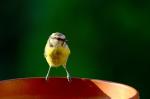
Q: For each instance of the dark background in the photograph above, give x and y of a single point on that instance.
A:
(109, 40)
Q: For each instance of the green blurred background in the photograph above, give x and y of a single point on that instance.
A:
(108, 39)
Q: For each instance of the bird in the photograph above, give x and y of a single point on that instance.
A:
(56, 52)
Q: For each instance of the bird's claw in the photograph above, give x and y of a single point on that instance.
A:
(69, 78)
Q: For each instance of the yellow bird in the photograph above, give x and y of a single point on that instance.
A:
(57, 52)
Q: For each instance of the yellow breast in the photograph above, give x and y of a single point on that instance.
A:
(57, 56)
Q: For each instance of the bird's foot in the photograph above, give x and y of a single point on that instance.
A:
(69, 78)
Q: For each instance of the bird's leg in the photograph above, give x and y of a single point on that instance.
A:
(68, 75)
(48, 73)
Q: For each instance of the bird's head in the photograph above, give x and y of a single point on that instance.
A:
(57, 39)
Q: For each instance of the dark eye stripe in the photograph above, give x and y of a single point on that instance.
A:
(60, 39)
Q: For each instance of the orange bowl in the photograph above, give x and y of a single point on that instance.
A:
(60, 88)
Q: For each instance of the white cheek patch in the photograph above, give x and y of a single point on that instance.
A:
(53, 41)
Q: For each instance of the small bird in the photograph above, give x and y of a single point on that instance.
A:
(57, 52)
